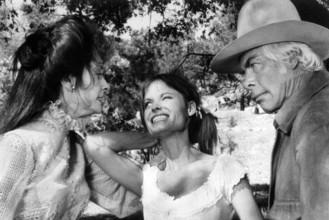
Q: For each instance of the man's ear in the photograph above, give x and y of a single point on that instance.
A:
(191, 108)
(293, 63)
(69, 83)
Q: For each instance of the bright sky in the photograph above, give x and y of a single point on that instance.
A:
(146, 21)
(136, 23)
(142, 22)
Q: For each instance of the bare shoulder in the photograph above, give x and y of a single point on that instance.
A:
(225, 160)
(204, 165)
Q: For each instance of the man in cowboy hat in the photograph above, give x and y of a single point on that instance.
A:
(281, 57)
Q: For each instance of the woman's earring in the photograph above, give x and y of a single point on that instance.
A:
(198, 112)
(73, 88)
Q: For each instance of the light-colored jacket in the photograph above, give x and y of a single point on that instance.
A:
(300, 160)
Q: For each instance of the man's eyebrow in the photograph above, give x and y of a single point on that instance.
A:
(246, 62)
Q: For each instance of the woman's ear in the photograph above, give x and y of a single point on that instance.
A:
(69, 83)
(191, 108)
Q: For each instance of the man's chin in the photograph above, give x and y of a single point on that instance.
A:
(268, 109)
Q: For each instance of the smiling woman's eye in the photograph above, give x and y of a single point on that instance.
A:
(147, 104)
(166, 97)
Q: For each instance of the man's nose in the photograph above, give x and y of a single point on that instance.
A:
(249, 79)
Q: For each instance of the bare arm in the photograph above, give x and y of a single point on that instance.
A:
(121, 141)
(103, 147)
(244, 203)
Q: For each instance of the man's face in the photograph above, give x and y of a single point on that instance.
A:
(265, 79)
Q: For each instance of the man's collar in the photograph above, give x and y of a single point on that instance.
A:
(288, 112)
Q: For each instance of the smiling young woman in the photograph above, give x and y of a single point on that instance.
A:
(190, 183)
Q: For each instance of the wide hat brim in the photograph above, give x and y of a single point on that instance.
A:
(227, 60)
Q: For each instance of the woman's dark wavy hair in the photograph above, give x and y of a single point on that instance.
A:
(202, 131)
(48, 56)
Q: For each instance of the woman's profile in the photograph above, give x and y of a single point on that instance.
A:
(44, 173)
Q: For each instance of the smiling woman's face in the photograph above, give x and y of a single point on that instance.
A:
(165, 109)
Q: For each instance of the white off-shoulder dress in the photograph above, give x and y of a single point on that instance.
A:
(211, 201)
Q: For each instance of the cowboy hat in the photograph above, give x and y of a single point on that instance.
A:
(262, 22)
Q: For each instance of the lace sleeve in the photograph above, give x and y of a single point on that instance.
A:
(109, 194)
(232, 172)
(16, 165)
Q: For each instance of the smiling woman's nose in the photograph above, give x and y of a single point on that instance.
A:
(156, 106)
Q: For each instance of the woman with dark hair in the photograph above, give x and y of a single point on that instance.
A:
(44, 173)
(190, 183)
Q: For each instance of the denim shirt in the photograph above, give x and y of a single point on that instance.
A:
(300, 160)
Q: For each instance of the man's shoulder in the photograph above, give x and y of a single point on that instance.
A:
(315, 112)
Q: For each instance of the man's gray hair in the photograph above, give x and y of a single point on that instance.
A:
(287, 51)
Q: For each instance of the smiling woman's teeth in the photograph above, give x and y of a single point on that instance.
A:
(159, 118)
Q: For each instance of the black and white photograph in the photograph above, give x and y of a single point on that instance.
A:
(164, 109)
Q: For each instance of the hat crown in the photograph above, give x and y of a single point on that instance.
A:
(263, 22)
(258, 13)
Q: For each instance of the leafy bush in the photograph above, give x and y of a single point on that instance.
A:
(6, 80)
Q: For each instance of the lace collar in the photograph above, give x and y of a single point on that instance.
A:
(62, 122)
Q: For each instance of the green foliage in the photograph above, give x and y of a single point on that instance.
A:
(6, 80)
(16, 22)
(40, 12)
(9, 25)
(153, 5)
(106, 13)
(191, 15)
(8, 21)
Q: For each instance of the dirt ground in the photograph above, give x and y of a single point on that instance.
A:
(253, 135)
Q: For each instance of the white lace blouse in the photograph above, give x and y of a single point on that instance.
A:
(210, 201)
(42, 176)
